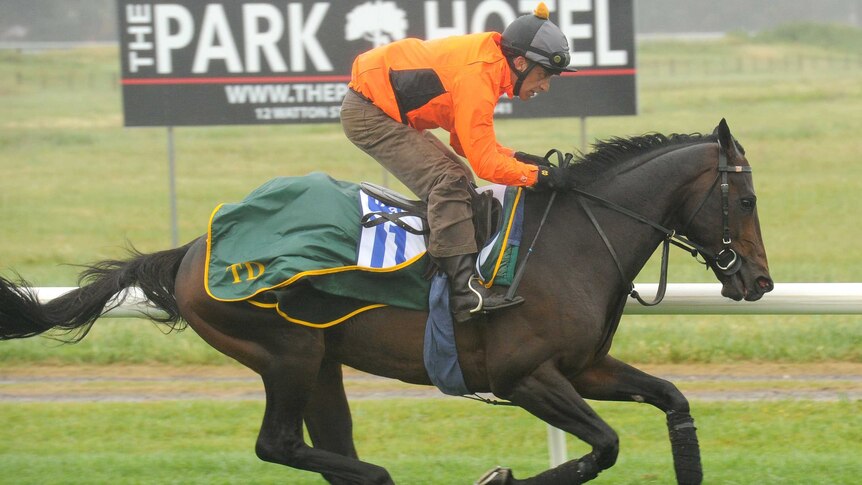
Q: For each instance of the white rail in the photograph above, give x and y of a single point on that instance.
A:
(785, 299)
(681, 299)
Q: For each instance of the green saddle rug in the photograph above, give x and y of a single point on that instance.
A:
(297, 245)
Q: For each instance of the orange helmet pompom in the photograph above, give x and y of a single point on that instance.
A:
(542, 11)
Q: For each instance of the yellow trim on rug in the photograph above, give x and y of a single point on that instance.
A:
(209, 248)
(274, 306)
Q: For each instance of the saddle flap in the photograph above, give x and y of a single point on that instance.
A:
(487, 216)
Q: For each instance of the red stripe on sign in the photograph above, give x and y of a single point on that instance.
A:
(232, 80)
(296, 79)
(602, 72)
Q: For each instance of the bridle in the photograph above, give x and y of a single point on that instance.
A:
(726, 261)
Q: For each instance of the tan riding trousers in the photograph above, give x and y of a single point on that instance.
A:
(422, 163)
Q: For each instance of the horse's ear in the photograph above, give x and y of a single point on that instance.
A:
(722, 131)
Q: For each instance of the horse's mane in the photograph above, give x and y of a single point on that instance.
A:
(609, 153)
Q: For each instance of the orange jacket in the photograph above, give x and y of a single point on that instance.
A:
(452, 83)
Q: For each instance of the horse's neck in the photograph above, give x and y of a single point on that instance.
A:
(655, 189)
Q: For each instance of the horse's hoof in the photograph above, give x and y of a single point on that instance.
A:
(496, 476)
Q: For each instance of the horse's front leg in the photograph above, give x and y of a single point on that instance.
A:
(612, 380)
(548, 395)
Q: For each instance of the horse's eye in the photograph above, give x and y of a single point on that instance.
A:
(748, 204)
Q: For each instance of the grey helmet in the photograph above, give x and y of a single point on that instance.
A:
(539, 41)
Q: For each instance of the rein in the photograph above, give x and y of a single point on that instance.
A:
(726, 261)
(563, 161)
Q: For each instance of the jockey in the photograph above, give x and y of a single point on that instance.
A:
(400, 90)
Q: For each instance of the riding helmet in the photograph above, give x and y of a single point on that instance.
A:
(539, 40)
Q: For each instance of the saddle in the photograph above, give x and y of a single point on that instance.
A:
(487, 212)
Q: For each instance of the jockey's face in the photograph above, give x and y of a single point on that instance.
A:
(537, 81)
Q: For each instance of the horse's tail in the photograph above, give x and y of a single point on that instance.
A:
(74, 313)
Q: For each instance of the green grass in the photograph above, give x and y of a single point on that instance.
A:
(842, 38)
(76, 185)
(193, 442)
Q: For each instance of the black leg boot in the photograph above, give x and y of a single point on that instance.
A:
(467, 297)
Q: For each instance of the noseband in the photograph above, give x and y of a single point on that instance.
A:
(727, 262)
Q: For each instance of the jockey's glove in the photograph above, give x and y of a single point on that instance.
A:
(531, 159)
(552, 178)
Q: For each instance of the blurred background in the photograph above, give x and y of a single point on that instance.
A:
(77, 187)
(96, 20)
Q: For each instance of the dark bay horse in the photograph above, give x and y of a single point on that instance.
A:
(546, 356)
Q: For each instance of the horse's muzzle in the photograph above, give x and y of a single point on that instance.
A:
(742, 285)
(753, 292)
(762, 285)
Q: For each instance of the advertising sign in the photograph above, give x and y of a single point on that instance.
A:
(199, 62)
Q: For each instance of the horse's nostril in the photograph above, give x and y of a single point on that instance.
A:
(765, 284)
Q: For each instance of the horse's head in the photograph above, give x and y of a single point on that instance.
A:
(725, 222)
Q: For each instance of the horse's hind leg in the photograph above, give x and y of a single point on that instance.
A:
(327, 415)
(288, 357)
(289, 383)
(612, 380)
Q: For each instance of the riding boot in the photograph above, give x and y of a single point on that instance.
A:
(467, 297)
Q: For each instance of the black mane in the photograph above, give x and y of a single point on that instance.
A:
(611, 152)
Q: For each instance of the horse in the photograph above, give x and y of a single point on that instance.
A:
(547, 356)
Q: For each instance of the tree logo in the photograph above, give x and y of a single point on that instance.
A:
(378, 22)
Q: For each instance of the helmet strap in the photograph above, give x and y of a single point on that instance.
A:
(521, 75)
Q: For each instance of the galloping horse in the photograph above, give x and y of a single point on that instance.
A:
(546, 356)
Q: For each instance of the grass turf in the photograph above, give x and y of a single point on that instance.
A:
(418, 441)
